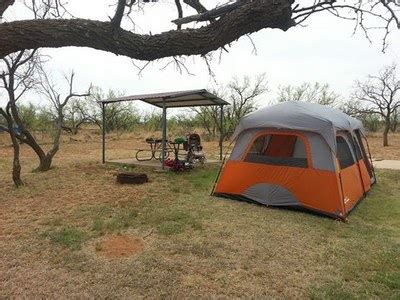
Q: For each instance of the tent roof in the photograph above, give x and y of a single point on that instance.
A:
(305, 116)
(175, 99)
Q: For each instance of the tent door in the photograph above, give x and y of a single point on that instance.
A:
(351, 181)
(367, 159)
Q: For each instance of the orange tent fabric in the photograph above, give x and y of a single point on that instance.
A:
(311, 157)
(281, 145)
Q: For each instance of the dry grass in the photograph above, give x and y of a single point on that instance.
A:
(194, 245)
(380, 152)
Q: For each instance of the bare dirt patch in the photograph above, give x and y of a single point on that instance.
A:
(119, 246)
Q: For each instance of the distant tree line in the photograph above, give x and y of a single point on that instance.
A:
(375, 101)
(242, 94)
(125, 116)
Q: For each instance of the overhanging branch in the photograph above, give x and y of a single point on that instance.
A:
(4, 4)
(250, 17)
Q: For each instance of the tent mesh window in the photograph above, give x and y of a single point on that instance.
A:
(364, 153)
(279, 150)
(344, 155)
(354, 145)
(358, 150)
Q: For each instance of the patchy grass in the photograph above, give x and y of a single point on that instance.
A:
(176, 222)
(118, 222)
(195, 245)
(69, 237)
(369, 252)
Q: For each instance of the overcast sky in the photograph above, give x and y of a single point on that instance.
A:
(325, 51)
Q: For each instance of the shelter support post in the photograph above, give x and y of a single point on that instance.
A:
(221, 131)
(164, 134)
(103, 127)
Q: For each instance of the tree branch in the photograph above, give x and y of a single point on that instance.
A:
(195, 4)
(180, 11)
(211, 14)
(4, 4)
(119, 13)
(250, 17)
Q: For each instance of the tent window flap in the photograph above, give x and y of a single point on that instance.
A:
(278, 150)
(343, 153)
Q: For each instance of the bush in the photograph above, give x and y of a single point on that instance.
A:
(371, 122)
(34, 117)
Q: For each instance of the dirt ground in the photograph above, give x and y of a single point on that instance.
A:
(391, 152)
(74, 232)
(123, 145)
(119, 246)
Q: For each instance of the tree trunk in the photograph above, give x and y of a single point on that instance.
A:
(45, 163)
(395, 122)
(26, 136)
(47, 159)
(16, 172)
(29, 140)
(393, 128)
(385, 135)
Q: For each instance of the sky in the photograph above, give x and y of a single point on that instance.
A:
(325, 51)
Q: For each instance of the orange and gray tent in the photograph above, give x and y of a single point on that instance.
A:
(299, 154)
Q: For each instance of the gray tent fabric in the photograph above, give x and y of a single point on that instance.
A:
(242, 143)
(271, 194)
(322, 156)
(305, 116)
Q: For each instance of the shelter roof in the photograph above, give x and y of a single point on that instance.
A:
(174, 99)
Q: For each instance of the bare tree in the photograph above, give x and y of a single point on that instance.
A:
(16, 78)
(356, 109)
(16, 173)
(314, 93)
(58, 103)
(242, 95)
(78, 113)
(380, 94)
(220, 25)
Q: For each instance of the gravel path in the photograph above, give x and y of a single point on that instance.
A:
(387, 164)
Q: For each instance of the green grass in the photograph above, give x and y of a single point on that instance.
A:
(176, 222)
(68, 237)
(122, 219)
(203, 246)
(368, 255)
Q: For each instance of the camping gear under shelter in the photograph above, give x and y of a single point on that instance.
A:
(299, 154)
(178, 99)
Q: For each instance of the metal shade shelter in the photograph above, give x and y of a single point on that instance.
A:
(178, 99)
